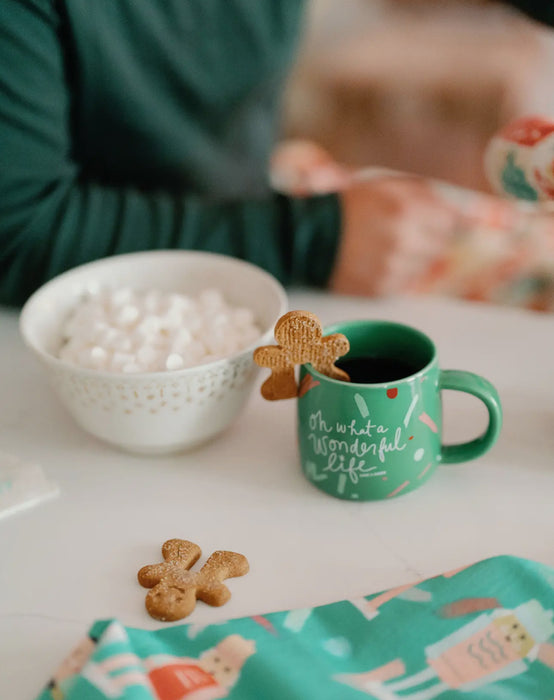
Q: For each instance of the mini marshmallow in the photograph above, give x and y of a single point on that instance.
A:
(182, 337)
(211, 299)
(120, 297)
(243, 318)
(149, 325)
(174, 361)
(221, 320)
(98, 355)
(128, 315)
(196, 324)
(122, 343)
(120, 359)
(180, 302)
(147, 356)
(153, 301)
(130, 331)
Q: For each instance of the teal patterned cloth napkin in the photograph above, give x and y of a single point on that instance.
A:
(483, 632)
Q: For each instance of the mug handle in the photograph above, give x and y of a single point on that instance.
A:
(459, 380)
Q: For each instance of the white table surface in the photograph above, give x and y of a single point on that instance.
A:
(72, 560)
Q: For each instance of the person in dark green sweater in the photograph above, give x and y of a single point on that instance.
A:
(135, 124)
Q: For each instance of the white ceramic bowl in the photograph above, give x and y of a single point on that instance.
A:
(156, 412)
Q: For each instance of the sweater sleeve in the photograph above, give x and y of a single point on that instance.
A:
(537, 9)
(53, 218)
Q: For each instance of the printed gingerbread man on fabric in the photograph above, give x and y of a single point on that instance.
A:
(300, 340)
(493, 647)
(212, 676)
(115, 669)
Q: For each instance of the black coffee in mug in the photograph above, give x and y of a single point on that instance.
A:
(371, 369)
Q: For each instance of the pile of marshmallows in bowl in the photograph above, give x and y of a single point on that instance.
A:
(128, 330)
(152, 352)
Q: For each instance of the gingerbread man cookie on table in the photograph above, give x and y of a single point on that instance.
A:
(175, 589)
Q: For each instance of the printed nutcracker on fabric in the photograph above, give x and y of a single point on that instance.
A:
(485, 632)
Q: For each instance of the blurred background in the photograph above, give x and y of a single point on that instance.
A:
(417, 85)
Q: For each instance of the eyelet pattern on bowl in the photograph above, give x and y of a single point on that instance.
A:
(128, 395)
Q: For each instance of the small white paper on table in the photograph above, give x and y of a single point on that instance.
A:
(22, 485)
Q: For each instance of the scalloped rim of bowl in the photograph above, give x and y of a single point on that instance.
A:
(140, 376)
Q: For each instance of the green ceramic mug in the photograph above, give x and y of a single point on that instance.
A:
(365, 441)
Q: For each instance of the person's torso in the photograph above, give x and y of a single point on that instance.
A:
(178, 94)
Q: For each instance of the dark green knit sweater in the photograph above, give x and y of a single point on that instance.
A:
(135, 124)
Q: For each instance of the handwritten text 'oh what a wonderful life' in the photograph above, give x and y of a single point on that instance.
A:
(349, 443)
